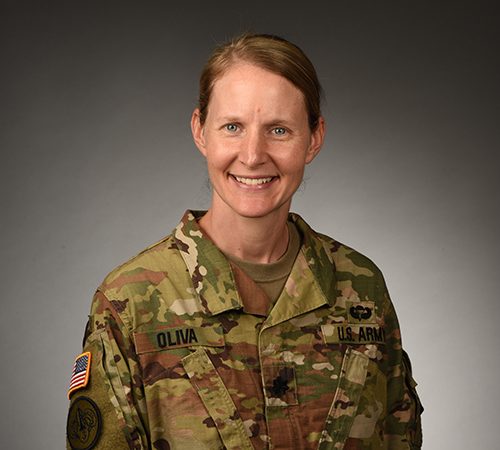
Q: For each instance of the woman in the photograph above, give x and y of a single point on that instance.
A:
(245, 328)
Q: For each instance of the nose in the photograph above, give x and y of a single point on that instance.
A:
(253, 151)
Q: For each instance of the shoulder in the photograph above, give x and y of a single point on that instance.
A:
(154, 266)
(355, 272)
(349, 260)
(343, 258)
(145, 288)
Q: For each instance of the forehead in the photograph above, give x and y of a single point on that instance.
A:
(246, 86)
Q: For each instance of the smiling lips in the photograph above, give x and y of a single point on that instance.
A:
(252, 181)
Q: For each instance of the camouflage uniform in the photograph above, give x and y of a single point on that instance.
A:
(193, 356)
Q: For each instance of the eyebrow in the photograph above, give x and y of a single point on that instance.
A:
(235, 119)
(227, 119)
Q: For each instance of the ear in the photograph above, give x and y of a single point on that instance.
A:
(317, 139)
(197, 130)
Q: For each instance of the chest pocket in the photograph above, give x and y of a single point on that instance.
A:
(217, 400)
(346, 399)
(360, 398)
(188, 404)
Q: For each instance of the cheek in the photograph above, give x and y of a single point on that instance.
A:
(217, 160)
(293, 162)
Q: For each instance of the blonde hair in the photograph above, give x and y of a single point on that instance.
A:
(268, 52)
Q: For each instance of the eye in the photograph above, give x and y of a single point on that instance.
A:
(279, 131)
(232, 127)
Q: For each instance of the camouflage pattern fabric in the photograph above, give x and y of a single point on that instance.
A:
(189, 361)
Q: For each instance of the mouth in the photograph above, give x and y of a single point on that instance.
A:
(253, 181)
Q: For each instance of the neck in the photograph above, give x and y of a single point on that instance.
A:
(255, 239)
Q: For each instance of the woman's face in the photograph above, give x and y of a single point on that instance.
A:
(257, 141)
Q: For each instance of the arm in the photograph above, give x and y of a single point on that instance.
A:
(115, 382)
(403, 428)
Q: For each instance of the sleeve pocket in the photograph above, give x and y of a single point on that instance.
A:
(414, 430)
(116, 375)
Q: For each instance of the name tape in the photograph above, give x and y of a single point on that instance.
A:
(178, 337)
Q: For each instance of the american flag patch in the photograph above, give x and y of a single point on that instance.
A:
(81, 372)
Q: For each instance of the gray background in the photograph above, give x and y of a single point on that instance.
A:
(98, 162)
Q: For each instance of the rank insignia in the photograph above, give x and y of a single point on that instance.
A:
(279, 387)
(81, 372)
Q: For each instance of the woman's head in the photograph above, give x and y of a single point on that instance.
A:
(268, 52)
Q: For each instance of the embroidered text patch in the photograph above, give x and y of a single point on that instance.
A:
(177, 337)
(346, 333)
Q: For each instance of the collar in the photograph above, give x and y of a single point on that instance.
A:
(311, 283)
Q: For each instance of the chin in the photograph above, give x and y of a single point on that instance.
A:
(258, 211)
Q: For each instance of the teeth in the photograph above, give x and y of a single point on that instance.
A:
(253, 181)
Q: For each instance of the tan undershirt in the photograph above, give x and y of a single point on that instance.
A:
(271, 278)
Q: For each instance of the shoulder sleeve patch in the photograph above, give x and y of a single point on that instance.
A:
(81, 373)
(84, 424)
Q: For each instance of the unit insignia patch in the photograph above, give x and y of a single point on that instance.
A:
(84, 424)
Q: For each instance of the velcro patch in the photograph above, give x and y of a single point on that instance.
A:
(178, 337)
(361, 312)
(346, 333)
(81, 372)
(280, 385)
(84, 424)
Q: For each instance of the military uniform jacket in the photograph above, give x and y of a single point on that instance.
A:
(188, 353)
